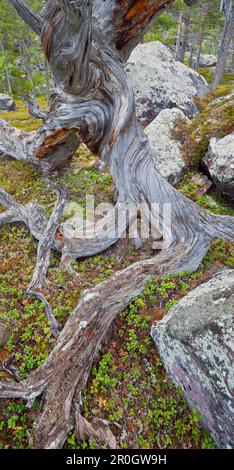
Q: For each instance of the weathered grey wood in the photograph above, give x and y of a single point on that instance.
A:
(47, 240)
(33, 107)
(67, 368)
(124, 22)
(32, 215)
(49, 148)
(54, 324)
(94, 103)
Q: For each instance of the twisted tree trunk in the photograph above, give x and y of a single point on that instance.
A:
(94, 103)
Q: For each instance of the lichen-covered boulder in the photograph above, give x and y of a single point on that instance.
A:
(168, 158)
(161, 82)
(219, 160)
(207, 60)
(6, 102)
(196, 343)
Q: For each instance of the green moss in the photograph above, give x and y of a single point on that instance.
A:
(213, 202)
(225, 87)
(27, 125)
(207, 73)
(24, 183)
(88, 181)
(20, 118)
(214, 120)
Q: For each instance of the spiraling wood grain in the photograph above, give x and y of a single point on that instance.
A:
(94, 103)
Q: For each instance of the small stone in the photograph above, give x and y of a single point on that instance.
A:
(6, 102)
(202, 182)
(207, 60)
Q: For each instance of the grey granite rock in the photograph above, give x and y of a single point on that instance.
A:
(196, 343)
(219, 160)
(168, 158)
(161, 82)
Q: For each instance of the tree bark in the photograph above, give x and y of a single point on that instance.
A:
(201, 32)
(182, 36)
(179, 52)
(225, 43)
(47, 83)
(94, 103)
(232, 64)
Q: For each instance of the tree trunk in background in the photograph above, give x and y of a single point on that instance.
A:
(204, 13)
(232, 64)
(7, 73)
(225, 43)
(47, 83)
(182, 36)
(179, 52)
(187, 31)
(8, 80)
(192, 50)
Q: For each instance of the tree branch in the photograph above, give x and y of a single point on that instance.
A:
(43, 257)
(31, 214)
(27, 15)
(33, 107)
(126, 21)
(54, 325)
(67, 368)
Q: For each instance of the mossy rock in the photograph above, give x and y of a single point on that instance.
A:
(216, 119)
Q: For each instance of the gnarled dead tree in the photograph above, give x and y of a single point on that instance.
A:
(87, 46)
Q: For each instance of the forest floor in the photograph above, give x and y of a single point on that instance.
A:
(128, 386)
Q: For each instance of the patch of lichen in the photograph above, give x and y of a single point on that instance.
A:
(216, 119)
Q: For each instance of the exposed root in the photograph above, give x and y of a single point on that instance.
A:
(31, 214)
(99, 431)
(47, 240)
(7, 366)
(54, 324)
(67, 368)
